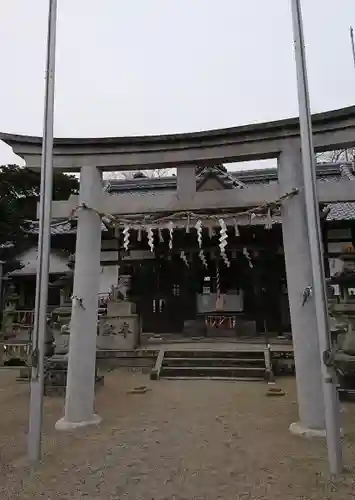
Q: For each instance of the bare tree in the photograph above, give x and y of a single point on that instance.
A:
(336, 156)
(157, 173)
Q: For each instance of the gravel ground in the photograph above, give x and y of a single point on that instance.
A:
(182, 440)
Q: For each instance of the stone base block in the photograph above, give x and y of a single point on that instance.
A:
(298, 429)
(118, 332)
(65, 425)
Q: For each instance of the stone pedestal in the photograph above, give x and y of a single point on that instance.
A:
(9, 315)
(62, 340)
(55, 375)
(120, 328)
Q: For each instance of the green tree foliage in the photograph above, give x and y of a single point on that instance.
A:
(19, 194)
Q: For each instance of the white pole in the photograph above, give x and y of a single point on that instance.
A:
(352, 43)
(40, 316)
(1, 291)
(331, 402)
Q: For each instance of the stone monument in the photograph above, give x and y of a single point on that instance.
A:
(119, 329)
(9, 315)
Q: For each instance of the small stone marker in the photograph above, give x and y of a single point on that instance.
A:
(138, 390)
(275, 391)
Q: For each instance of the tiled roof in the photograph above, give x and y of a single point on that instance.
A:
(148, 187)
(138, 185)
(153, 186)
(326, 172)
(344, 210)
(58, 227)
(227, 180)
(142, 192)
(341, 211)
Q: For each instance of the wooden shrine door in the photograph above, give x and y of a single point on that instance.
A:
(161, 314)
(164, 303)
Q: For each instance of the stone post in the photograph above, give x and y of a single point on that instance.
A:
(299, 276)
(186, 182)
(80, 392)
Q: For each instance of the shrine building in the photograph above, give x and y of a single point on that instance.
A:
(176, 283)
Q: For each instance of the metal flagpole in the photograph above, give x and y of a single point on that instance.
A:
(1, 291)
(331, 401)
(40, 316)
(352, 43)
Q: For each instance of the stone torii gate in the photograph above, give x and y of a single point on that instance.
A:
(279, 139)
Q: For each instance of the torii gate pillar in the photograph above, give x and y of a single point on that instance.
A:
(303, 317)
(80, 392)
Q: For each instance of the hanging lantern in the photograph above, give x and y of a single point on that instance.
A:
(198, 227)
(139, 234)
(150, 239)
(126, 238)
(160, 233)
(210, 232)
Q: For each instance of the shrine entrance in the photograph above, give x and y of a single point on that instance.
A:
(210, 300)
(165, 295)
(186, 206)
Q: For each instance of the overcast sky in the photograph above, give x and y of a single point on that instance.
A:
(131, 67)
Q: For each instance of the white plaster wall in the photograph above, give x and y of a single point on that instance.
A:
(29, 259)
(108, 277)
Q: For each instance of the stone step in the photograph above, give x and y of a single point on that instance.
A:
(193, 354)
(214, 371)
(211, 361)
(224, 379)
